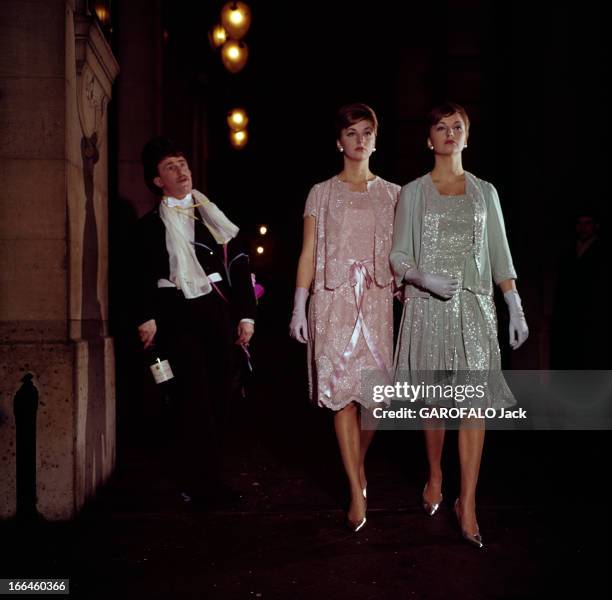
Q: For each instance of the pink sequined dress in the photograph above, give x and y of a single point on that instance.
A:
(350, 316)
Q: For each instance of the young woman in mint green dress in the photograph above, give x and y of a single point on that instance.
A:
(449, 245)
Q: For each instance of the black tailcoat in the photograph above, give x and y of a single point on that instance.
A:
(198, 337)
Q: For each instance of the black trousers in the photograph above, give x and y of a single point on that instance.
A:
(198, 337)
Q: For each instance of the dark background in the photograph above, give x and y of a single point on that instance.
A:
(531, 76)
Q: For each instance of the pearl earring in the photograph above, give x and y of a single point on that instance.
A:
(340, 148)
(431, 147)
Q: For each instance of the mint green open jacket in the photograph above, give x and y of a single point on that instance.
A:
(415, 236)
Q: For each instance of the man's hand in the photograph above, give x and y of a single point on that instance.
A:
(245, 332)
(147, 332)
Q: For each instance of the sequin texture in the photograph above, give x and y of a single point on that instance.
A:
(458, 335)
(356, 242)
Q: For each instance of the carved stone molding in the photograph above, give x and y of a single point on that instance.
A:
(96, 69)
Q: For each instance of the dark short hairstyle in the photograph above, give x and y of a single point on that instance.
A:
(153, 153)
(446, 109)
(349, 114)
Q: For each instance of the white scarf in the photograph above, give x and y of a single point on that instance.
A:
(186, 272)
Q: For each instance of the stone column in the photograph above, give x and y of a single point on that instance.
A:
(56, 73)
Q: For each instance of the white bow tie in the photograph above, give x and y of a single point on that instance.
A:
(186, 202)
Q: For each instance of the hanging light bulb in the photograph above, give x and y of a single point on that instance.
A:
(260, 249)
(237, 119)
(236, 19)
(217, 36)
(234, 55)
(263, 230)
(239, 139)
(102, 13)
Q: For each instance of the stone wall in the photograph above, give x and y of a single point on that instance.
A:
(56, 73)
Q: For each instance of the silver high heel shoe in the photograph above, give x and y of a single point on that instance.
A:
(474, 539)
(355, 526)
(431, 508)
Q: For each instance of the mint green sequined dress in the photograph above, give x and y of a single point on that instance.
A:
(456, 336)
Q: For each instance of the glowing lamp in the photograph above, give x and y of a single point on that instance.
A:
(103, 14)
(236, 19)
(239, 139)
(234, 55)
(237, 119)
(217, 36)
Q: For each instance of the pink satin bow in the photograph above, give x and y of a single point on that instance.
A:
(360, 279)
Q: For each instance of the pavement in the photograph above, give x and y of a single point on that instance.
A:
(542, 510)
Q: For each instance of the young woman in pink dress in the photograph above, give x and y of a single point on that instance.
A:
(344, 267)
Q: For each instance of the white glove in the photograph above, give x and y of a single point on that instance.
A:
(440, 285)
(518, 326)
(298, 328)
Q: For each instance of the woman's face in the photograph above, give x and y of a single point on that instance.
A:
(357, 141)
(448, 136)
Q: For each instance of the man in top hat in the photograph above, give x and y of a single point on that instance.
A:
(194, 301)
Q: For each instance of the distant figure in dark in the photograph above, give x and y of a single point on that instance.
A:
(581, 323)
(194, 298)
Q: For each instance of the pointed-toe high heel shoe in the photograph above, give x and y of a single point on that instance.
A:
(473, 539)
(355, 526)
(431, 508)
